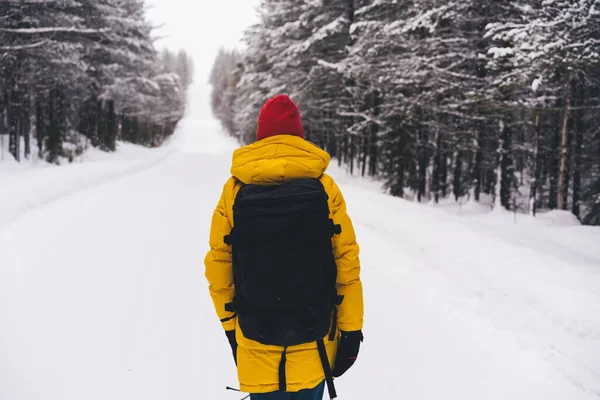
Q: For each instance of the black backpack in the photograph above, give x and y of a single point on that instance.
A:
(284, 270)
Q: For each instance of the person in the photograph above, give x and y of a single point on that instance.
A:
(283, 266)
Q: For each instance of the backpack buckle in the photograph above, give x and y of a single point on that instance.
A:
(337, 229)
(230, 307)
(230, 239)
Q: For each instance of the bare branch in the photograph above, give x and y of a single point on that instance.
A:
(35, 31)
(29, 1)
(24, 46)
(366, 117)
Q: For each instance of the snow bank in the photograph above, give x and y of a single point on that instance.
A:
(32, 183)
(532, 285)
(558, 218)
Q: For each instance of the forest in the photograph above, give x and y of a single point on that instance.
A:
(491, 101)
(81, 73)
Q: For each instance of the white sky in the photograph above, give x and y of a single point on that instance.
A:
(201, 27)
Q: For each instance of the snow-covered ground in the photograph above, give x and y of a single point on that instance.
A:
(103, 296)
(31, 185)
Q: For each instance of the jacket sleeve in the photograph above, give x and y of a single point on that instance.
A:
(346, 252)
(218, 265)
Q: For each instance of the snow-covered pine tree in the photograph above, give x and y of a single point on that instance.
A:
(587, 167)
(476, 98)
(254, 85)
(176, 71)
(371, 69)
(66, 61)
(283, 50)
(185, 68)
(41, 54)
(222, 84)
(323, 94)
(554, 46)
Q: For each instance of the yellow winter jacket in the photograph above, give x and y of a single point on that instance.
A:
(273, 161)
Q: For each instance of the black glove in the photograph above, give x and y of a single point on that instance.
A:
(232, 343)
(347, 352)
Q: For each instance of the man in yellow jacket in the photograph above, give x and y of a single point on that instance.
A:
(274, 369)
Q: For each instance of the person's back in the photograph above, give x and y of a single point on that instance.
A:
(284, 349)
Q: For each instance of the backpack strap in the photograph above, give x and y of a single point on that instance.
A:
(326, 369)
(323, 351)
(333, 329)
(229, 318)
(282, 378)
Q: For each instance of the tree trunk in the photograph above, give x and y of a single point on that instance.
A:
(363, 156)
(333, 150)
(345, 148)
(373, 150)
(135, 130)
(13, 119)
(342, 151)
(577, 174)
(53, 140)
(437, 161)
(25, 125)
(396, 162)
(541, 186)
(477, 169)
(61, 118)
(554, 159)
(562, 189)
(124, 127)
(350, 10)
(497, 187)
(457, 179)
(111, 129)
(423, 169)
(3, 119)
(100, 125)
(399, 189)
(423, 159)
(373, 154)
(536, 165)
(40, 126)
(89, 120)
(444, 173)
(497, 196)
(506, 167)
(577, 158)
(352, 156)
(3, 123)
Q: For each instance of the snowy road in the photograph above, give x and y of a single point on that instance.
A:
(102, 293)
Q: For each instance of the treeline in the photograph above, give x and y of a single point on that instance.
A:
(493, 101)
(75, 73)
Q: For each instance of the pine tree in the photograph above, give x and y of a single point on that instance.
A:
(491, 101)
(92, 60)
(255, 84)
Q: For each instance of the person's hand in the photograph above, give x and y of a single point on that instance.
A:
(232, 343)
(347, 352)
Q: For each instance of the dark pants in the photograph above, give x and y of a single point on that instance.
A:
(307, 394)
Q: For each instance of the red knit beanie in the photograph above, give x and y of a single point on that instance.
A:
(279, 116)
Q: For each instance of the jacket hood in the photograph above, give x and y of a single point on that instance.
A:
(279, 159)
